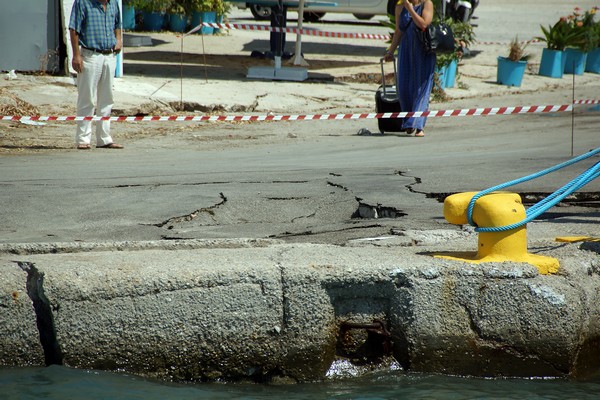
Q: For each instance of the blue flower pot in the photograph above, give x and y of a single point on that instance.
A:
(204, 16)
(451, 74)
(510, 73)
(575, 61)
(442, 74)
(219, 20)
(177, 22)
(128, 18)
(552, 63)
(592, 63)
(153, 21)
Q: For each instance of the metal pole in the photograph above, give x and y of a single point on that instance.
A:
(298, 59)
(181, 75)
(573, 112)
(204, 57)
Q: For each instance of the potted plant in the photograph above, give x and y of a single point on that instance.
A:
(177, 16)
(464, 37)
(584, 41)
(557, 38)
(512, 68)
(593, 58)
(202, 11)
(153, 12)
(447, 64)
(221, 8)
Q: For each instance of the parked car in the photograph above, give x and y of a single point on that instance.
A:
(361, 9)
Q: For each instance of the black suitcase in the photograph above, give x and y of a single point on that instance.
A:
(386, 101)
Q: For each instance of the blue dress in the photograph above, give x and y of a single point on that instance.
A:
(415, 71)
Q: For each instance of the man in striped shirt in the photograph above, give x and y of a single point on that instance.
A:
(95, 31)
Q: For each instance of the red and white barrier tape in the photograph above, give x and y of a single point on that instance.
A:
(310, 32)
(315, 32)
(524, 42)
(587, 101)
(465, 112)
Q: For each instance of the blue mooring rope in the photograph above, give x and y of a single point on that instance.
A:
(542, 206)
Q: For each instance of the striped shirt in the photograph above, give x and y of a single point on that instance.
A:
(96, 27)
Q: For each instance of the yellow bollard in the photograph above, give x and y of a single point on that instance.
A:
(494, 210)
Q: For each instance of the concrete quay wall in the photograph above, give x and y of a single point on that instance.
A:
(276, 311)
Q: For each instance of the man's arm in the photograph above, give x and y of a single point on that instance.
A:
(119, 45)
(77, 62)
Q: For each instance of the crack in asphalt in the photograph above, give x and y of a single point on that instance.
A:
(363, 211)
(581, 199)
(417, 181)
(345, 189)
(311, 233)
(191, 216)
(287, 198)
(304, 216)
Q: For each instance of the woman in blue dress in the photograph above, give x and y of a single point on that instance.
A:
(415, 67)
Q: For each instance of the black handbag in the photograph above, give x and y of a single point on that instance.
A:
(436, 39)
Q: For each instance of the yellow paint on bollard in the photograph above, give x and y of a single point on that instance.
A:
(494, 210)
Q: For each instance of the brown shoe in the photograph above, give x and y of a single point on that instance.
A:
(110, 146)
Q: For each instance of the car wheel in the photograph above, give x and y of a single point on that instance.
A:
(260, 12)
(313, 16)
(363, 16)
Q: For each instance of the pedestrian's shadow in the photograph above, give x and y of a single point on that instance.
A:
(365, 132)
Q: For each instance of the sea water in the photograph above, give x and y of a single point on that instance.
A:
(56, 382)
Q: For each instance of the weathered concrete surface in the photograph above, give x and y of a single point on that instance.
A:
(19, 337)
(276, 311)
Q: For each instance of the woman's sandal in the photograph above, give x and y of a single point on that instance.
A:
(410, 131)
(83, 147)
(420, 134)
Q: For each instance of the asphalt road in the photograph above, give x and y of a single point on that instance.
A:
(310, 188)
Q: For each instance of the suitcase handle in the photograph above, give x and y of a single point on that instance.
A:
(381, 61)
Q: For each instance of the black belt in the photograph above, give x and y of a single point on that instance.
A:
(110, 51)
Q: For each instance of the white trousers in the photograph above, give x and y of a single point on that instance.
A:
(95, 84)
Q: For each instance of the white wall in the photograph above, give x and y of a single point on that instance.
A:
(29, 35)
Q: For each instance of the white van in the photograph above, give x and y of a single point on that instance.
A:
(362, 9)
